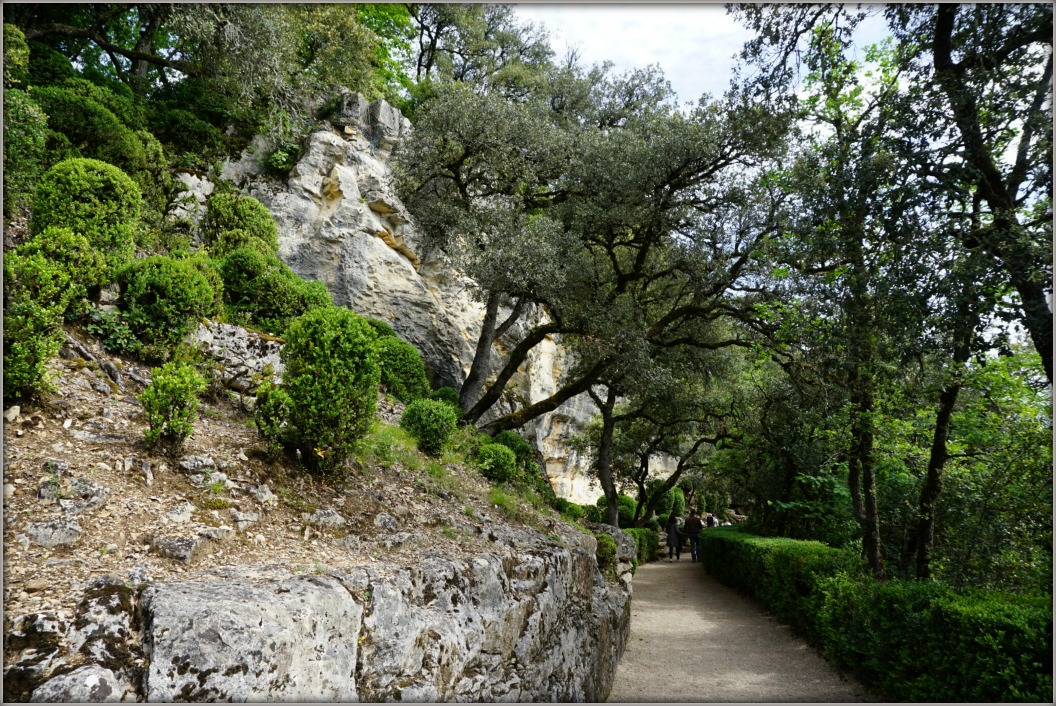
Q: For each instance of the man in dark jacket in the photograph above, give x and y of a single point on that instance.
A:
(692, 528)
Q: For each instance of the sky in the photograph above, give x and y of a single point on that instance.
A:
(694, 43)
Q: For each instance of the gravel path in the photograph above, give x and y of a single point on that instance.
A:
(694, 640)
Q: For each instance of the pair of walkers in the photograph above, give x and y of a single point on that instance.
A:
(692, 529)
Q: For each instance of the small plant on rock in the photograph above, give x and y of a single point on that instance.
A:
(431, 423)
(232, 221)
(170, 403)
(606, 555)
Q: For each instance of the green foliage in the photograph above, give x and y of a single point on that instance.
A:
(82, 127)
(162, 300)
(913, 641)
(402, 369)
(16, 60)
(648, 543)
(506, 502)
(208, 268)
(92, 198)
(606, 555)
(71, 252)
(260, 289)
(383, 329)
(43, 279)
(388, 446)
(25, 140)
(112, 331)
(496, 463)
(185, 132)
(116, 98)
(678, 501)
(47, 66)
(625, 506)
(430, 422)
(570, 510)
(445, 394)
(332, 381)
(170, 403)
(521, 449)
(593, 513)
(920, 642)
(270, 413)
(233, 221)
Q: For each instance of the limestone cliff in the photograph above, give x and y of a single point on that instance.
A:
(341, 223)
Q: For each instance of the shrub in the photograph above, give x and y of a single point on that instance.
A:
(92, 130)
(402, 370)
(170, 403)
(496, 462)
(606, 555)
(72, 252)
(112, 331)
(233, 221)
(446, 394)
(647, 541)
(47, 66)
(678, 501)
(625, 506)
(912, 640)
(16, 58)
(41, 279)
(208, 268)
(185, 132)
(25, 140)
(430, 422)
(332, 381)
(567, 508)
(94, 199)
(162, 299)
(521, 449)
(381, 328)
(263, 291)
(593, 513)
(270, 412)
(117, 98)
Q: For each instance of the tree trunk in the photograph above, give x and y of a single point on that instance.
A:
(474, 383)
(604, 454)
(929, 493)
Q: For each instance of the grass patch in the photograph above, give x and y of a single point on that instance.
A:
(294, 501)
(506, 502)
(386, 446)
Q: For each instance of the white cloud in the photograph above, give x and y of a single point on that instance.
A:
(694, 44)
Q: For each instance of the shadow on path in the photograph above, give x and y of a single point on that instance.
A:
(694, 640)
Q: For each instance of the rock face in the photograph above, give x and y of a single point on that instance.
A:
(533, 620)
(341, 223)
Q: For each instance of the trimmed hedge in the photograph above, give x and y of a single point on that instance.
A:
(496, 462)
(431, 423)
(647, 541)
(913, 641)
(402, 369)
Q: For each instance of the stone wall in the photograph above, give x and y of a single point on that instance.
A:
(533, 620)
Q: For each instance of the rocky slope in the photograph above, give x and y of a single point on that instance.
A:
(341, 223)
(219, 575)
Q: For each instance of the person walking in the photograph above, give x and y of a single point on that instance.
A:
(674, 539)
(693, 527)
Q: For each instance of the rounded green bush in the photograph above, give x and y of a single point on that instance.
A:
(37, 292)
(170, 403)
(123, 105)
(91, 129)
(402, 370)
(521, 449)
(625, 506)
(567, 508)
(210, 269)
(16, 58)
(233, 221)
(71, 251)
(47, 66)
(431, 423)
(331, 379)
(270, 414)
(593, 513)
(94, 199)
(496, 462)
(678, 501)
(185, 131)
(606, 555)
(25, 141)
(446, 394)
(382, 328)
(162, 299)
(263, 290)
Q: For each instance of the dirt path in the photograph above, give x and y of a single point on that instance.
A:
(694, 640)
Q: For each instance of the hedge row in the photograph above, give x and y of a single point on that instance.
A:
(648, 543)
(913, 641)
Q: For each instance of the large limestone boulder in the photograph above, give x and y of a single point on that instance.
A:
(341, 223)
